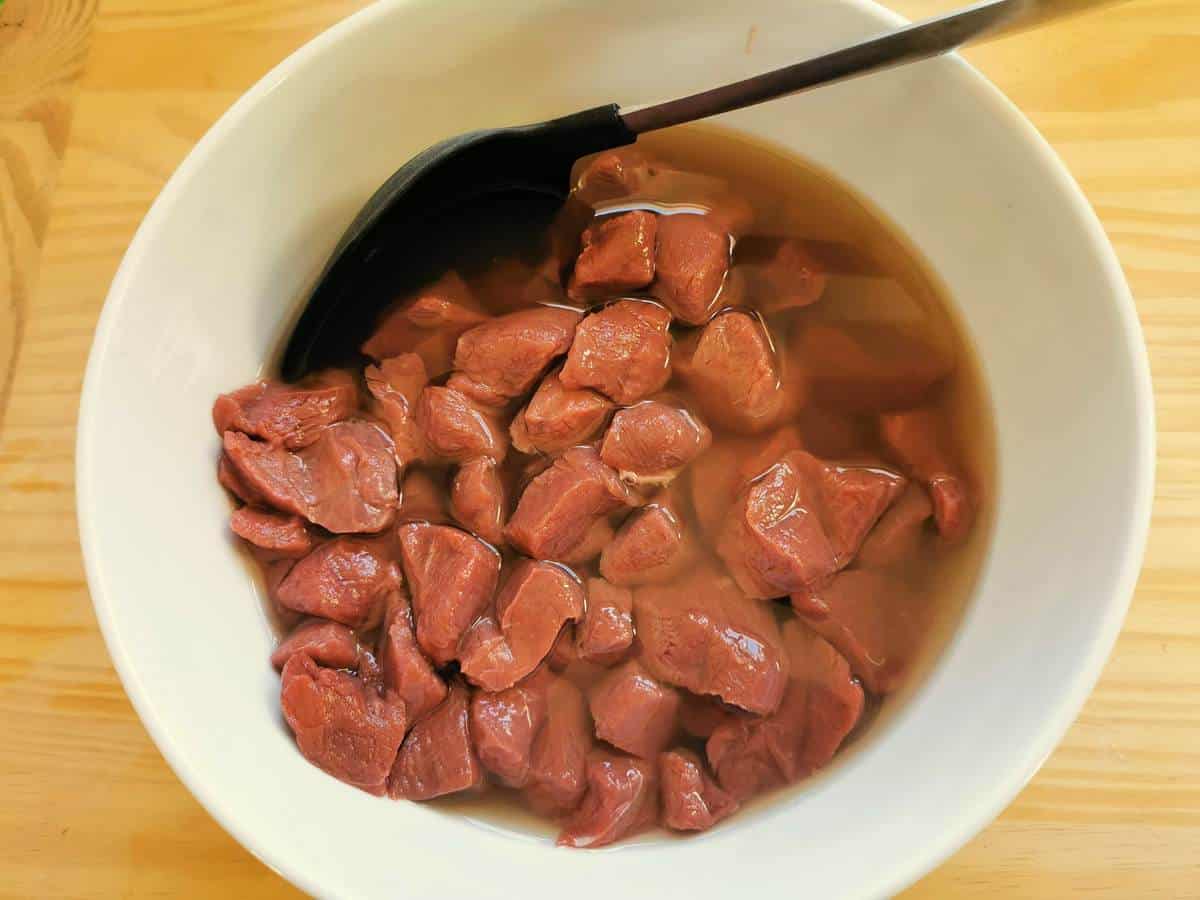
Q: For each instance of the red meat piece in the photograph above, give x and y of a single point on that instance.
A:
(732, 371)
(622, 351)
(395, 386)
(557, 771)
(691, 261)
(404, 669)
(801, 521)
(876, 620)
(560, 506)
(557, 418)
(457, 430)
(621, 799)
(328, 643)
(345, 481)
(345, 580)
(649, 547)
(537, 599)
(822, 705)
(609, 176)
(452, 577)
(291, 415)
(477, 499)
(606, 632)
(508, 354)
(918, 439)
(633, 711)
(649, 443)
(617, 256)
(428, 324)
(867, 367)
(504, 725)
(437, 757)
(900, 533)
(281, 534)
(691, 800)
(340, 725)
(703, 634)
(781, 273)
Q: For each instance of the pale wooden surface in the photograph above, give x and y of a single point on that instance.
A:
(43, 44)
(88, 806)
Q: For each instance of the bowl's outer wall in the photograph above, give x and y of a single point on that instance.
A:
(213, 277)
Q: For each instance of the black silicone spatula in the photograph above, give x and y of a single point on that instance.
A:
(505, 179)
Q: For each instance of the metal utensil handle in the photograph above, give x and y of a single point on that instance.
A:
(913, 42)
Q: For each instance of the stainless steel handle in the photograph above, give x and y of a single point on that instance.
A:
(931, 37)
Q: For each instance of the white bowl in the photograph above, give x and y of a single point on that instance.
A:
(213, 277)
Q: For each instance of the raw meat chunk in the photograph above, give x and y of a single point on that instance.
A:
(598, 537)
(557, 418)
(732, 371)
(649, 547)
(558, 768)
(822, 705)
(876, 620)
(900, 532)
(780, 273)
(291, 415)
(483, 396)
(606, 632)
(428, 324)
(395, 386)
(610, 176)
(508, 354)
(537, 599)
(702, 634)
(437, 757)
(404, 669)
(801, 521)
(229, 479)
(344, 481)
(691, 800)
(622, 351)
(455, 429)
(509, 284)
(633, 711)
(690, 261)
(867, 367)
(477, 499)
(719, 474)
(504, 725)
(650, 442)
(617, 256)
(560, 506)
(281, 534)
(349, 731)
(328, 643)
(345, 580)
(916, 438)
(452, 577)
(621, 799)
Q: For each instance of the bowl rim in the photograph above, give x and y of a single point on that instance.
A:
(975, 814)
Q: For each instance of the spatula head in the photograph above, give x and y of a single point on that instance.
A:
(493, 189)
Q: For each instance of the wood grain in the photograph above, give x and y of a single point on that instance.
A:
(89, 807)
(42, 47)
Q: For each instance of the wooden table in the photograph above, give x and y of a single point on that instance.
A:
(97, 107)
